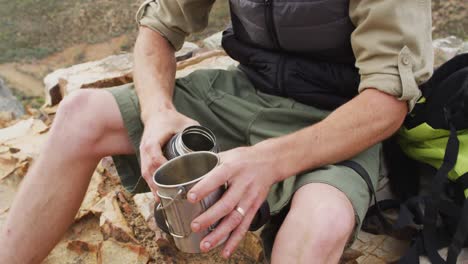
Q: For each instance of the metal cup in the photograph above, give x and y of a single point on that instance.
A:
(174, 179)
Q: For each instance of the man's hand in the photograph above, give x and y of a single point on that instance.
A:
(154, 74)
(249, 174)
(159, 128)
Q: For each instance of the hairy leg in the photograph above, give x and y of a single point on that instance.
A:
(87, 127)
(317, 227)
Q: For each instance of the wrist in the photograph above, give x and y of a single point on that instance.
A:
(276, 156)
(156, 109)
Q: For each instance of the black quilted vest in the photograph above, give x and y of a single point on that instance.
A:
(299, 49)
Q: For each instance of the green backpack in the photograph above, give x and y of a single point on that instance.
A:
(436, 134)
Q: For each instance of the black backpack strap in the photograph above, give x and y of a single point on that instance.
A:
(456, 63)
(365, 176)
(459, 237)
(363, 173)
(462, 181)
(410, 213)
(447, 89)
(412, 255)
(431, 211)
(461, 233)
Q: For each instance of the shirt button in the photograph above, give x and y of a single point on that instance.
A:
(405, 60)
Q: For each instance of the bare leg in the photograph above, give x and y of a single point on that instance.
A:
(88, 126)
(317, 227)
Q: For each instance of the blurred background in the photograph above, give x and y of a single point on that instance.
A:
(39, 36)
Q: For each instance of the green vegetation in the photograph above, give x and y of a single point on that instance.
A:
(27, 100)
(450, 17)
(33, 29)
(37, 28)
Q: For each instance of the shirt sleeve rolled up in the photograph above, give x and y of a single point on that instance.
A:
(392, 44)
(174, 19)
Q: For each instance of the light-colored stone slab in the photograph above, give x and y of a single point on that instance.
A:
(117, 70)
(378, 248)
(111, 71)
(145, 205)
(214, 62)
(213, 41)
(114, 252)
(113, 223)
(446, 48)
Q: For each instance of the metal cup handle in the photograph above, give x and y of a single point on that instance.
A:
(172, 199)
(162, 208)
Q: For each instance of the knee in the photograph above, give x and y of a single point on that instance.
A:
(326, 215)
(77, 118)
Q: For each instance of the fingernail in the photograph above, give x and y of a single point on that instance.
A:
(195, 227)
(206, 245)
(227, 253)
(192, 197)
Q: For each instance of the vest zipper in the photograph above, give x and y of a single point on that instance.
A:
(270, 23)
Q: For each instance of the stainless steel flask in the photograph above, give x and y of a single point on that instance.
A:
(193, 138)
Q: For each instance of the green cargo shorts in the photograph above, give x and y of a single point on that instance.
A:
(239, 115)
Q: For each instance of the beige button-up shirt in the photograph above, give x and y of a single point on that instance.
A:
(392, 41)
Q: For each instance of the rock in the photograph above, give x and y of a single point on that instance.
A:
(26, 136)
(445, 49)
(21, 129)
(210, 60)
(378, 248)
(213, 41)
(117, 70)
(112, 221)
(464, 48)
(7, 163)
(74, 252)
(81, 243)
(9, 103)
(7, 119)
(114, 252)
(111, 71)
(350, 255)
(87, 252)
(92, 196)
(145, 205)
(252, 246)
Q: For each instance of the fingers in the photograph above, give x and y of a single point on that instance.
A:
(151, 158)
(158, 130)
(212, 180)
(221, 208)
(239, 233)
(231, 222)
